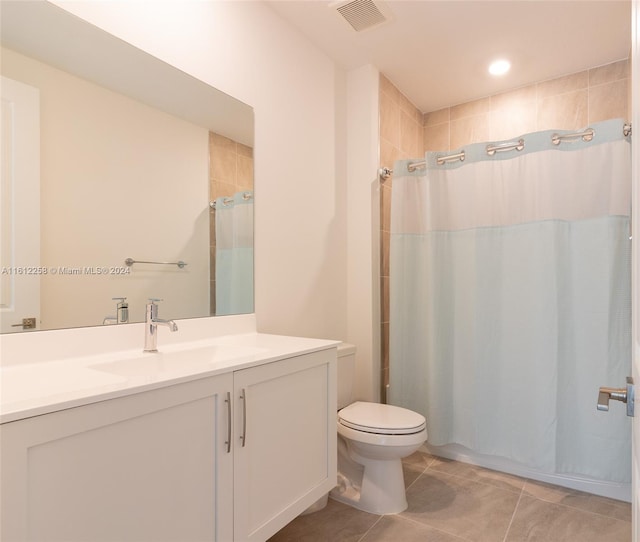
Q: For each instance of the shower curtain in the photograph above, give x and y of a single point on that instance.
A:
(511, 302)
(234, 254)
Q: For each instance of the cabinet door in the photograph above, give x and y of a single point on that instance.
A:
(146, 467)
(285, 443)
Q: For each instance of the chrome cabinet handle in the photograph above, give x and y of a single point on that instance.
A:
(243, 396)
(228, 401)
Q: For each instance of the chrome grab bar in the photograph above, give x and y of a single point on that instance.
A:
(130, 261)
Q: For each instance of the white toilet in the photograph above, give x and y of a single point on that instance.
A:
(372, 440)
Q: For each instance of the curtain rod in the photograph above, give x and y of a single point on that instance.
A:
(587, 135)
(226, 201)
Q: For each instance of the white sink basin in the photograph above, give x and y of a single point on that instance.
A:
(177, 362)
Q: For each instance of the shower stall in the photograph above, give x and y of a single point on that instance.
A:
(510, 302)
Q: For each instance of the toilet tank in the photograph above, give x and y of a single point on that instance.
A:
(346, 374)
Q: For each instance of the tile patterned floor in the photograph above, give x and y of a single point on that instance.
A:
(455, 502)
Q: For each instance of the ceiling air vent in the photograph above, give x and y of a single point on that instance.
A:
(363, 14)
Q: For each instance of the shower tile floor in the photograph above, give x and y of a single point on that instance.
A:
(453, 502)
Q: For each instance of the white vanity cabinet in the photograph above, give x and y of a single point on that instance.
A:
(147, 467)
(285, 443)
(158, 465)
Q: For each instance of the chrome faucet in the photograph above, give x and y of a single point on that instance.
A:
(122, 312)
(151, 326)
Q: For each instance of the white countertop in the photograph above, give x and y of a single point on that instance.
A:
(35, 388)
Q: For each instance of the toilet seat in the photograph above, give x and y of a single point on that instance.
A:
(381, 419)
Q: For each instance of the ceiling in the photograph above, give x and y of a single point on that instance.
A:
(437, 51)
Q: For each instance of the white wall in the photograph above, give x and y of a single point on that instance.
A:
(246, 50)
(363, 226)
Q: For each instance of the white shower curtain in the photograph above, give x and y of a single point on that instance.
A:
(234, 254)
(511, 301)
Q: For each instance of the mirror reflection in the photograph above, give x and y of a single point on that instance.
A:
(129, 182)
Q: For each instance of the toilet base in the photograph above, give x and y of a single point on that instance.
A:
(382, 489)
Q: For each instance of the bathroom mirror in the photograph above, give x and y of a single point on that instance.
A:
(127, 164)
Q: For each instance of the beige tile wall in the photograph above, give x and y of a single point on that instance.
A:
(570, 102)
(566, 103)
(230, 171)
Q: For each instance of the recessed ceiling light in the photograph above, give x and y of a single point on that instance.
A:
(499, 67)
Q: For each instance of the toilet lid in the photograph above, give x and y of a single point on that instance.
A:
(381, 419)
